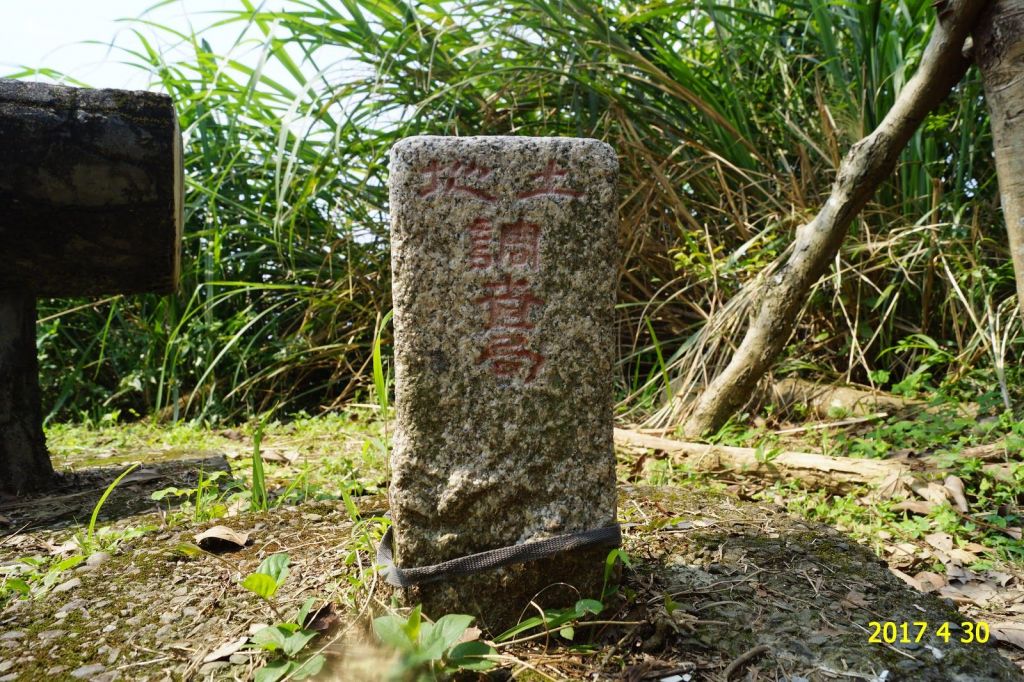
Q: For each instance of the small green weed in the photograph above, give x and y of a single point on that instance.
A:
(34, 576)
(205, 502)
(428, 649)
(565, 621)
(258, 501)
(561, 621)
(286, 639)
(88, 541)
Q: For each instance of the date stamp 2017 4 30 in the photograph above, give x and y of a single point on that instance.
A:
(889, 632)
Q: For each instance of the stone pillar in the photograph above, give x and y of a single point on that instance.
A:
(504, 263)
(24, 462)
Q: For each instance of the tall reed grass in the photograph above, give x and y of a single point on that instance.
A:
(729, 118)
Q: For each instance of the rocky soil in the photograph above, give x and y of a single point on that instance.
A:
(718, 588)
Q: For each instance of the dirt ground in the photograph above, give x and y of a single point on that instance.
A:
(719, 589)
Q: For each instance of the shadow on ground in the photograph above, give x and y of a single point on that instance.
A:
(75, 493)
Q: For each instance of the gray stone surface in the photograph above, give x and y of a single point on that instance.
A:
(504, 264)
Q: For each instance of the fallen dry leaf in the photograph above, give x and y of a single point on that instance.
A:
(962, 556)
(975, 592)
(221, 539)
(955, 489)
(955, 571)
(913, 582)
(929, 581)
(471, 634)
(323, 619)
(915, 507)
(273, 455)
(225, 650)
(933, 492)
(894, 486)
(65, 548)
(256, 627)
(1010, 632)
(940, 541)
(902, 554)
(999, 578)
(947, 553)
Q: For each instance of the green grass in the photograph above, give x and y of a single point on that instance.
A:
(729, 120)
(304, 458)
(338, 457)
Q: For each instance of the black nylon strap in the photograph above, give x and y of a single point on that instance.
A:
(482, 561)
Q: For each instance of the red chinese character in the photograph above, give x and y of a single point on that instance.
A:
(452, 179)
(518, 245)
(508, 354)
(480, 257)
(509, 304)
(549, 183)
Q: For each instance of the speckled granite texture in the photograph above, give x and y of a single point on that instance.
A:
(504, 263)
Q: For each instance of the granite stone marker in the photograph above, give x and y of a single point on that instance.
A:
(504, 264)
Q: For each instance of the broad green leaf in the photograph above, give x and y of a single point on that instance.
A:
(69, 563)
(469, 656)
(585, 606)
(448, 629)
(161, 494)
(17, 585)
(311, 666)
(437, 638)
(429, 653)
(412, 625)
(273, 671)
(187, 549)
(270, 638)
(303, 612)
(567, 632)
(425, 629)
(392, 632)
(276, 566)
(297, 641)
(261, 584)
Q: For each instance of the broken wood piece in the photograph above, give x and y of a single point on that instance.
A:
(826, 400)
(812, 469)
(852, 421)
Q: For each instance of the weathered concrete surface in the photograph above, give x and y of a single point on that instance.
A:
(90, 204)
(504, 263)
(90, 190)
